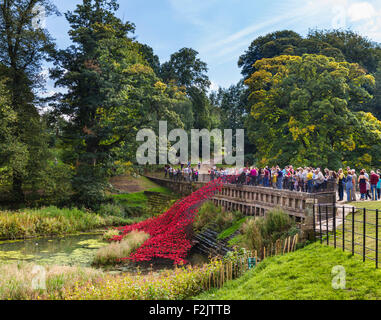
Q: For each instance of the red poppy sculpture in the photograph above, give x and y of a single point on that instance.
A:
(171, 232)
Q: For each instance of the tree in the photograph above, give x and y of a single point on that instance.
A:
(112, 93)
(185, 69)
(149, 56)
(23, 46)
(354, 47)
(302, 109)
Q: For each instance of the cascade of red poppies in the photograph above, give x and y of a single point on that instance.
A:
(170, 233)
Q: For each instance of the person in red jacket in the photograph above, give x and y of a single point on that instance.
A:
(373, 184)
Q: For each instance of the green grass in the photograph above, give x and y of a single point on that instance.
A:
(370, 230)
(51, 221)
(139, 198)
(230, 231)
(303, 275)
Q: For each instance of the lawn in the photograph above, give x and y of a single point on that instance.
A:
(303, 275)
(370, 229)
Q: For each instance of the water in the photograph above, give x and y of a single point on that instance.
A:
(77, 250)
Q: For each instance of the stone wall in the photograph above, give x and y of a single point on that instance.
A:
(254, 201)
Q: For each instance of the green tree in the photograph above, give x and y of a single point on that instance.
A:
(302, 109)
(24, 44)
(185, 69)
(112, 93)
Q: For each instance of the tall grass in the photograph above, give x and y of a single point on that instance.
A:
(117, 250)
(263, 231)
(51, 221)
(17, 280)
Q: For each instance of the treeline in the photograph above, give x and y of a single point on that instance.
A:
(311, 100)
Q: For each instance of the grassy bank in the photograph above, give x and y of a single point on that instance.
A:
(67, 283)
(17, 280)
(304, 274)
(51, 221)
(370, 229)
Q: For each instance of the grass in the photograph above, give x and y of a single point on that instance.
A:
(49, 221)
(139, 198)
(230, 231)
(303, 275)
(370, 230)
(16, 281)
(115, 251)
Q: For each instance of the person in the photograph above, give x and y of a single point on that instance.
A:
(374, 178)
(253, 176)
(368, 196)
(319, 179)
(378, 187)
(362, 184)
(280, 177)
(340, 182)
(310, 176)
(349, 185)
(354, 197)
(266, 178)
(199, 166)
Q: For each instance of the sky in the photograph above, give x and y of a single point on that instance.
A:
(221, 30)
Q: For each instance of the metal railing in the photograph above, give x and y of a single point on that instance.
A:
(355, 230)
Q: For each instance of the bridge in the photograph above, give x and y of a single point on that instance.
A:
(254, 200)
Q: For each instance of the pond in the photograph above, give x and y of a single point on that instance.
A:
(76, 250)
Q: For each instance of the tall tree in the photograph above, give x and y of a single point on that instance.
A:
(186, 70)
(302, 109)
(24, 44)
(112, 93)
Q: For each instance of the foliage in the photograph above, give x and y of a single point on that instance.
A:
(51, 221)
(263, 231)
(343, 45)
(302, 109)
(303, 275)
(206, 215)
(23, 47)
(113, 92)
(179, 284)
(231, 230)
(112, 253)
(16, 280)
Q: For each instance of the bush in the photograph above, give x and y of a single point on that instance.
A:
(110, 234)
(207, 214)
(112, 209)
(51, 221)
(263, 231)
(115, 251)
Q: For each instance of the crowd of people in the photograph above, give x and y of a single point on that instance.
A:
(306, 179)
(184, 173)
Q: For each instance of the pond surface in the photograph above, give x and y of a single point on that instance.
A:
(74, 250)
(77, 250)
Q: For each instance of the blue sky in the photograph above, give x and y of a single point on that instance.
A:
(220, 30)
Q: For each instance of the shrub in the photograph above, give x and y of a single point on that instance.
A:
(111, 209)
(115, 251)
(207, 214)
(51, 221)
(110, 234)
(263, 231)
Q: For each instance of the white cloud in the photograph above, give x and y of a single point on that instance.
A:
(360, 11)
